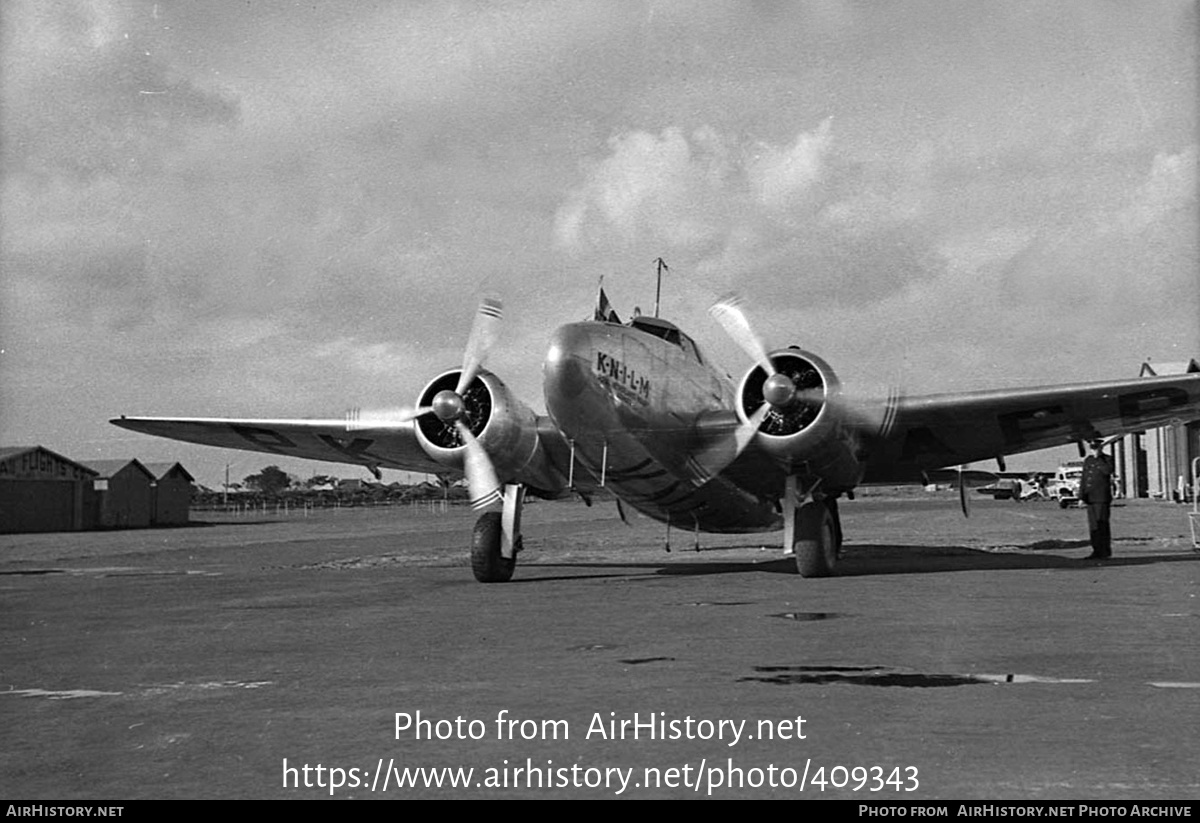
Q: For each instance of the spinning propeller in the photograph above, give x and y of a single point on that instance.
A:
(790, 396)
(778, 391)
(785, 389)
(453, 409)
(450, 406)
(782, 390)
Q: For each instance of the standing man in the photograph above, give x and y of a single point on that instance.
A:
(1095, 491)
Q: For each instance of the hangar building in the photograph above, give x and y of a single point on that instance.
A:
(1158, 462)
(41, 491)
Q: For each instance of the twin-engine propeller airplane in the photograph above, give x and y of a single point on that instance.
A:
(637, 409)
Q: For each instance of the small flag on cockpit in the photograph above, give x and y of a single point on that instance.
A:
(604, 309)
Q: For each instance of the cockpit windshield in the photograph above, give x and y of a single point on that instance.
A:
(667, 331)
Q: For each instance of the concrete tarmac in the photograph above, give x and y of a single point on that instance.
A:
(952, 658)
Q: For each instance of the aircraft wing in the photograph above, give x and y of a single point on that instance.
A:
(934, 431)
(390, 447)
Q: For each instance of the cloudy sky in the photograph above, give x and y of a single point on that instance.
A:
(282, 209)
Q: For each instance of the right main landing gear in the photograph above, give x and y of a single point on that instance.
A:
(818, 538)
(812, 531)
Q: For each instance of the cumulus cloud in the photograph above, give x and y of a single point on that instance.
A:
(1170, 186)
(778, 177)
(688, 191)
(663, 188)
(792, 215)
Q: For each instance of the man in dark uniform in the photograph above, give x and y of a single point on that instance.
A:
(1095, 491)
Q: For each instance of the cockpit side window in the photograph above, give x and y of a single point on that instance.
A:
(689, 347)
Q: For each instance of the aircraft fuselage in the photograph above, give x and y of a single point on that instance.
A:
(633, 401)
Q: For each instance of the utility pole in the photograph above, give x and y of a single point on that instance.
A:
(662, 267)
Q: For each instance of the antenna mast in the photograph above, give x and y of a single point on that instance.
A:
(662, 267)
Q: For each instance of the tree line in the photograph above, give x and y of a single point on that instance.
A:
(273, 484)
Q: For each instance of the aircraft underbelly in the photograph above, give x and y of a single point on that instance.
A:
(649, 486)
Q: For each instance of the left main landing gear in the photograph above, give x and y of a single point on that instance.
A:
(487, 563)
(497, 539)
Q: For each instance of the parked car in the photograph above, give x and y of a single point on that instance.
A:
(1064, 486)
(1006, 488)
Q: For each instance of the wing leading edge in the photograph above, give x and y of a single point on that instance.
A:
(951, 429)
(391, 447)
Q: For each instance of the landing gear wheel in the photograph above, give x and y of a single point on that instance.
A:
(817, 540)
(487, 563)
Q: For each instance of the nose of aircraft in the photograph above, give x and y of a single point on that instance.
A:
(565, 371)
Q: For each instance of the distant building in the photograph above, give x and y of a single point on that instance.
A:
(41, 491)
(172, 498)
(126, 490)
(1158, 462)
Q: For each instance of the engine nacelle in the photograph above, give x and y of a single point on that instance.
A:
(503, 425)
(807, 432)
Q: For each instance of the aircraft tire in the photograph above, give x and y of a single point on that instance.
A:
(817, 544)
(487, 563)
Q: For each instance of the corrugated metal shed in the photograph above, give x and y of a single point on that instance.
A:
(42, 491)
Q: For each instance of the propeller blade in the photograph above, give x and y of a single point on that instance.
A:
(710, 462)
(872, 411)
(745, 432)
(962, 492)
(483, 335)
(360, 419)
(482, 483)
(728, 312)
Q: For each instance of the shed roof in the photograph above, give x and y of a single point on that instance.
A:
(109, 468)
(161, 470)
(8, 452)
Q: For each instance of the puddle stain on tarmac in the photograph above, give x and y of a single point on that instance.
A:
(66, 694)
(114, 571)
(167, 688)
(883, 676)
(144, 691)
(1171, 685)
(592, 647)
(637, 661)
(806, 617)
(718, 603)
